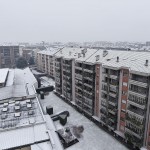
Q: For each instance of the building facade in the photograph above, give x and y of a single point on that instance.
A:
(8, 56)
(46, 62)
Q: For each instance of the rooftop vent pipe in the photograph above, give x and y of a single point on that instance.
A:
(117, 59)
(97, 57)
(69, 53)
(79, 55)
(146, 63)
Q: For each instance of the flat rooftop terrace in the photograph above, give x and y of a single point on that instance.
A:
(19, 113)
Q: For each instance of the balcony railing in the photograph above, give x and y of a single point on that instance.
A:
(133, 132)
(112, 102)
(88, 78)
(78, 76)
(89, 70)
(136, 103)
(138, 83)
(113, 94)
(139, 111)
(78, 68)
(137, 94)
(134, 120)
(113, 76)
(88, 85)
(112, 111)
(143, 80)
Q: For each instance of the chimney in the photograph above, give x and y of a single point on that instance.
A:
(79, 55)
(97, 57)
(146, 63)
(117, 59)
(69, 53)
(83, 54)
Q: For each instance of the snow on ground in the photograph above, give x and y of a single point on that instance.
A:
(93, 137)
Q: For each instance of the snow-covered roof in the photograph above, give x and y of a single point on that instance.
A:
(3, 75)
(23, 136)
(69, 53)
(49, 51)
(19, 84)
(88, 53)
(31, 135)
(133, 60)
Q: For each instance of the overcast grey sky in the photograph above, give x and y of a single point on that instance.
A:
(74, 20)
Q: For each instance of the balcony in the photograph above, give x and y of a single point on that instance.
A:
(112, 102)
(78, 76)
(138, 94)
(113, 94)
(112, 111)
(132, 131)
(88, 78)
(138, 83)
(78, 99)
(78, 87)
(87, 111)
(88, 70)
(113, 76)
(137, 112)
(79, 93)
(78, 68)
(104, 90)
(135, 120)
(87, 105)
(88, 99)
(112, 119)
(88, 85)
(135, 103)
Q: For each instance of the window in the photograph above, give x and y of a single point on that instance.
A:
(124, 93)
(125, 84)
(125, 73)
(123, 101)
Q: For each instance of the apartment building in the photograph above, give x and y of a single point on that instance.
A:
(65, 72)
(85, 82)
(124, 106)
(45, 61)
(8, 56)
(109, 86)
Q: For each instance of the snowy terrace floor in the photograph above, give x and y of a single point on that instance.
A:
(93, 137)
